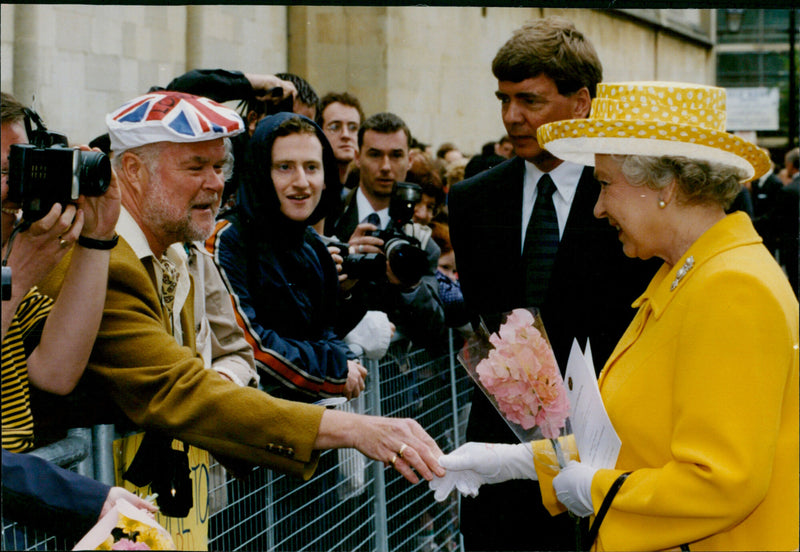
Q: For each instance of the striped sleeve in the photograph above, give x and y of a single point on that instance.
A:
(26, 327)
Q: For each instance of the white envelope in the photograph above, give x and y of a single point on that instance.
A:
(597, 441)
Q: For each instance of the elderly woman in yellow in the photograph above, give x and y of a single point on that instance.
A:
(702, 388)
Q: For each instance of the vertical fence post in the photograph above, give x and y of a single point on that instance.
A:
(269, 511)
(85, 466)
(103, 453)
(454, 388)
(379, 481)
(456, 427)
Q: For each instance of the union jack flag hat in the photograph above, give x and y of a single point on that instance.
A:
(166, 116)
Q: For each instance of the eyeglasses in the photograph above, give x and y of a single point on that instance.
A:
(337, 126)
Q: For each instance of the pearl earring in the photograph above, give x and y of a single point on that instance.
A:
(661, 204)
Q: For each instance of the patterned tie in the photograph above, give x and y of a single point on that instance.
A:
(169, 282)
(541, 243)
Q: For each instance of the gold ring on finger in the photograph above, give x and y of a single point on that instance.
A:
(63, 243)
(402, 449)
(393, 460)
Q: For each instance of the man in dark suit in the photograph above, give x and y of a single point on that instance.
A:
(414, 308)
(570, 266)
(764, 192)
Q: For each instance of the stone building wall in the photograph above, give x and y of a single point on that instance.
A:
(430, 65)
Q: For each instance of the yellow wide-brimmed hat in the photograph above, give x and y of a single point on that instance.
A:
(655, 119)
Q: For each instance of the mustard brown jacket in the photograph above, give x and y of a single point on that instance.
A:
(162, 385)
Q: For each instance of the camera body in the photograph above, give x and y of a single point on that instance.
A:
(407, 259)
(47, 171)
(361, 266)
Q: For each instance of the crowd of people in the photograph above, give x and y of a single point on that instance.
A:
(244, 263)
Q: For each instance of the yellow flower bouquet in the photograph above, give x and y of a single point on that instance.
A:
(126, 527)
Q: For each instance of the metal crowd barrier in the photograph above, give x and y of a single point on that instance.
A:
(72, 452)
(351, 503)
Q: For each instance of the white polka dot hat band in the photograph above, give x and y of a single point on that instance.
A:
(655, 119)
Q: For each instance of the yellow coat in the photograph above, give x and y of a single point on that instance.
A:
(703, 391)
(160, 384)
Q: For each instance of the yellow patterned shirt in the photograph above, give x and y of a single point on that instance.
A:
(20, 340)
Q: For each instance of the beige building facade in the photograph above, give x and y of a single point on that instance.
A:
(430, 65)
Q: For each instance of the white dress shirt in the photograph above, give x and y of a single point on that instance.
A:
(365, 208)
(565, 177)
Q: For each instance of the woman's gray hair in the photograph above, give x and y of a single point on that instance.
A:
(698, 181)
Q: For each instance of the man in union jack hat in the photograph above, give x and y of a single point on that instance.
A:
(170, 156)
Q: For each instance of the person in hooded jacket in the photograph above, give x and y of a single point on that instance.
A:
(282, 278)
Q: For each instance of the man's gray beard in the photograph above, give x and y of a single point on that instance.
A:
(182, 230)
(158, 215)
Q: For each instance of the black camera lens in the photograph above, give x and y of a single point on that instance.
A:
(407, 261)
(94, 173)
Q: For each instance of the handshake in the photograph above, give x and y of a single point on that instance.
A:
(476, 464)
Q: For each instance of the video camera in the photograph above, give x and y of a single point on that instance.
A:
(47, 171)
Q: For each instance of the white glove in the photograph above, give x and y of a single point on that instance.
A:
(573, 486)
(372, 334)
(475, 464)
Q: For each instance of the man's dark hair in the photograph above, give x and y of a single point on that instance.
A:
(551, 47)
(344, 98)
(444, 149)
(305, 92)
(385, 123)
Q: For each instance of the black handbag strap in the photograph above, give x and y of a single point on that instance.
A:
(601, 514)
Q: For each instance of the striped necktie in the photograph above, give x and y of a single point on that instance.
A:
(541, 244)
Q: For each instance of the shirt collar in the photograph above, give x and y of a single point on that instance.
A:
(565, 177)
(133, 234)
(365, 208)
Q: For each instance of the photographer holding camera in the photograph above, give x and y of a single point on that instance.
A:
(378, 221)
(55, 214)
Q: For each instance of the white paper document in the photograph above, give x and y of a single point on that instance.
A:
(598, 443)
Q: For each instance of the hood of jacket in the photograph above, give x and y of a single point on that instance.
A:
(256, 199)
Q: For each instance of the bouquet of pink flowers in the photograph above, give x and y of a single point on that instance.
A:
(517, 371)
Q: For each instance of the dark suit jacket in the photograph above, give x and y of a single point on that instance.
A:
(786, 229)
(40, 494)
(591, 290)
(765, 193)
